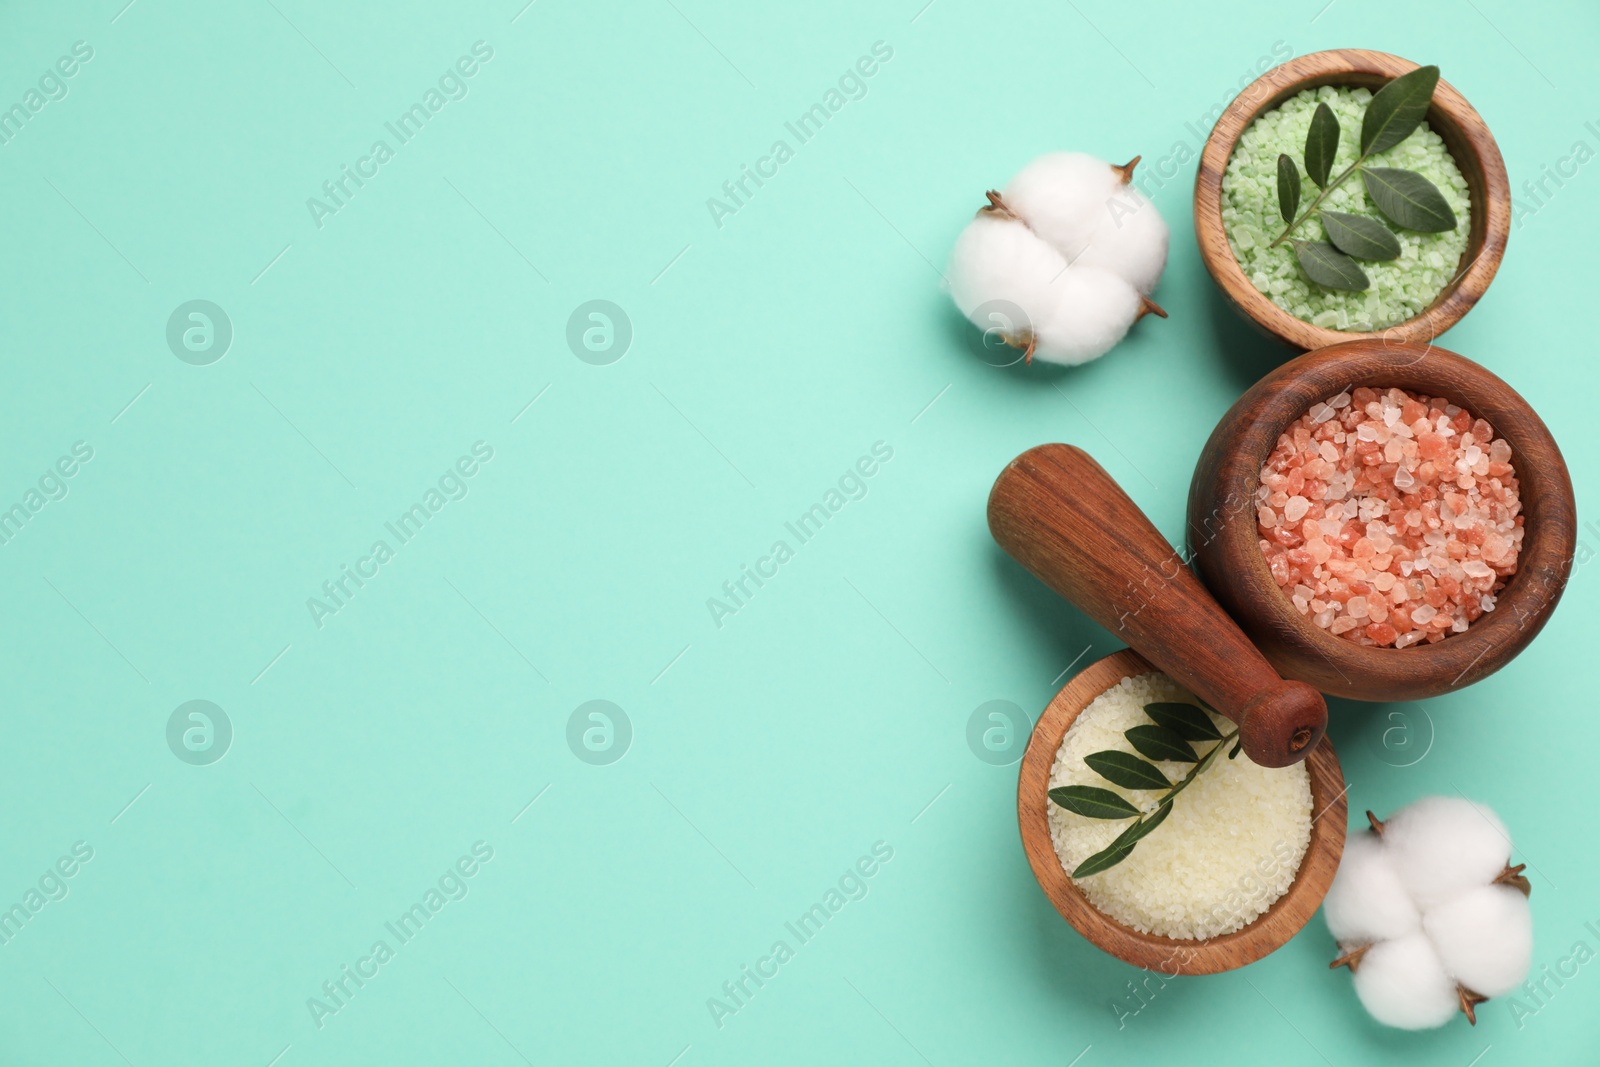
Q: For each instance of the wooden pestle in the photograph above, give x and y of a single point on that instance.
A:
(1059, 514)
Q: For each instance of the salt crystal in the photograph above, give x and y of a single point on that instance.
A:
(1183, 882)
(1437, 507)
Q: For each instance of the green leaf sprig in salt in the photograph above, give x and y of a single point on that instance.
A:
(1406, 199)
(1168, 736)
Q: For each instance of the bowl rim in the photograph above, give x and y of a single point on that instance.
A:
(1171, 956)
(1450, 115)
(1256, 601)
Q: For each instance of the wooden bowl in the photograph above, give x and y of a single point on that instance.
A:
(1450, 116)
(1167, 955)
(1224, 541)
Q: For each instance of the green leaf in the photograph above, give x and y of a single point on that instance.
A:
(1396, 109)
(1408, 200)
(1122, 847)
(1185, 720)
(1360, 236)
(1288, 187)
(1126, 770)
(1158, 742)
(1141, 829)
(1322, 143)
(1092, 801)
(1106, 857)
(1329, 267)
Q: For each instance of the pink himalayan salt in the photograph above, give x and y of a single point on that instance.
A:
(1390, 519)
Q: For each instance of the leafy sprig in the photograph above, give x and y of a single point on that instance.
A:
(1405, 198)
(1168, 736)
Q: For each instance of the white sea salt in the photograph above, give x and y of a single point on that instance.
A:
(1230, 848)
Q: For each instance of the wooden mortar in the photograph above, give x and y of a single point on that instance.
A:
(1063, 517)
(1464, 133)
(1227, 552)
(1169, 955)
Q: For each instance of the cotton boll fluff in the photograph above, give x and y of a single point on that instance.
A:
(1091, 311)
(1064, 195)
(1425, 895)
(1012, 271)
(1443, 845)
(1367, 902)
(1129, 241)
(998, 261)
(1484, 937)
(1403, 983)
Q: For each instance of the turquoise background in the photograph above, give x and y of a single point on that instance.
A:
(767, 754)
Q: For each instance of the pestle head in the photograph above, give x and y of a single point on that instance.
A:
(1282, 724)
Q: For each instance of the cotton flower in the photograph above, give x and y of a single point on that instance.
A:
(1429, 916)
(1061, 264)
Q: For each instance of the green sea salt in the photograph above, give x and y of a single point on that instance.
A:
(1400, 288)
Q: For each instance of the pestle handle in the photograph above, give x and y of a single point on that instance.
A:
(1059, 514)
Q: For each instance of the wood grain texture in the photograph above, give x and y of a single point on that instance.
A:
(1060, 515)
(1166, 955)
(1227, 549)
(1451, 117)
